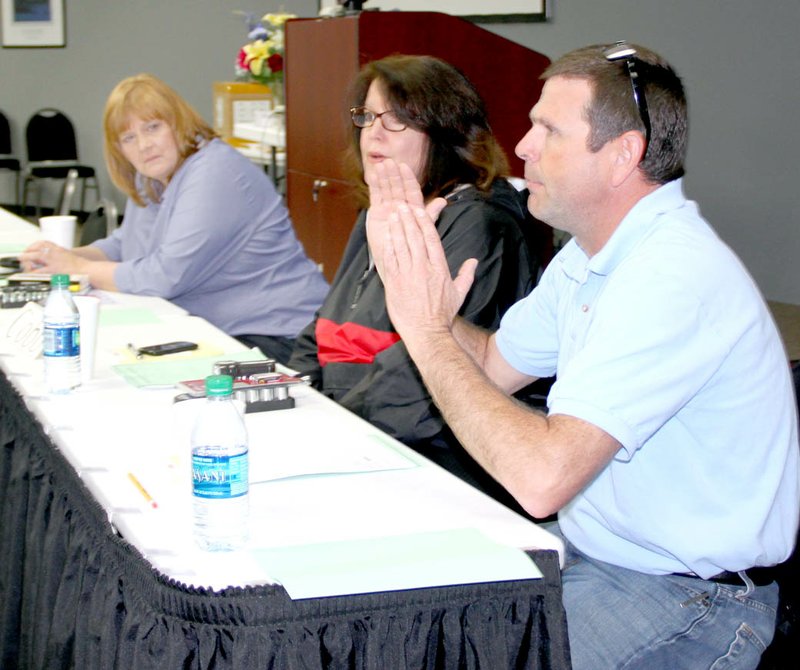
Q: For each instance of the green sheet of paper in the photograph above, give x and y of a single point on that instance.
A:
(127, 316)
(169, 373)
(441, 558)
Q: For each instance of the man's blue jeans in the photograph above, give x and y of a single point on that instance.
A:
(619, 618)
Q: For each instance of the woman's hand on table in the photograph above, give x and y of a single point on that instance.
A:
(49, 258)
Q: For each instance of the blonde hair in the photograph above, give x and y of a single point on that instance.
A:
(147, 97)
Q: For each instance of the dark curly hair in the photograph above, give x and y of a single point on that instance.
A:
(433, 97)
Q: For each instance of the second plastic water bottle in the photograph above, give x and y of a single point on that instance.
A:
(220, 479)
(61, 338)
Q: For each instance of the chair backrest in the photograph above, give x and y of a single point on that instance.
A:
(100, 223)
(50, 135)
(5, 136)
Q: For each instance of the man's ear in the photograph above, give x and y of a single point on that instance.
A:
(630, 147)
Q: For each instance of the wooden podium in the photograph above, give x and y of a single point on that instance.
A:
(323, 57)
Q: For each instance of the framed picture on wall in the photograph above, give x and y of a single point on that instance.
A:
(32, 23)
(480, 11)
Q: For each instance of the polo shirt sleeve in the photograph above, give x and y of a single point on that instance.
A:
(644, 348)
(528, 334)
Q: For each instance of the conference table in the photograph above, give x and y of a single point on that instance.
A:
(362, 553)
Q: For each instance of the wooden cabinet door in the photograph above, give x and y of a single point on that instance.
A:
(323, 213)
(322, 59)
(321, 62)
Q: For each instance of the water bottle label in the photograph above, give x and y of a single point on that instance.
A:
(219, 476)
(61, 341)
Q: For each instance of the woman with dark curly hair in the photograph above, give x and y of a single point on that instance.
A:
(420, 111)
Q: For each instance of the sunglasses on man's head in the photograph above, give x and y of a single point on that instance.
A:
(625, 52)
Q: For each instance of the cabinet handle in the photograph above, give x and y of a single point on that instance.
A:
(318, 184)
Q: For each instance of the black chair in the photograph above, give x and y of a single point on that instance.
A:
(100, 223)
(782, 653)
(52, 153)
(8, 161)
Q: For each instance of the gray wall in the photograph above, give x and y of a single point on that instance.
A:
(188, 43)
(740, 61)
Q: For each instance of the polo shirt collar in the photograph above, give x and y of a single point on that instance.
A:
(638, 223)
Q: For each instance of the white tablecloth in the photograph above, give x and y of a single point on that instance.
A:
(107, 429)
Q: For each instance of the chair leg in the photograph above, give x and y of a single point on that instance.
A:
(38, 199)
(95, 186)
(24, 204)
(30, 182)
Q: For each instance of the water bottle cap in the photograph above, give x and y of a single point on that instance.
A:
(59, 280)
(217, 385)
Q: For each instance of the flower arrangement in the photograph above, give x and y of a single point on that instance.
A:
(261, 59)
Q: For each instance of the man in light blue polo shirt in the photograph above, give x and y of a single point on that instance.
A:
(670, 447)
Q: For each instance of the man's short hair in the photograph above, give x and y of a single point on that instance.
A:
(613, 109)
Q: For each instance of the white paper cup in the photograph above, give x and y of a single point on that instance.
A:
(89, 309)
(59, 229)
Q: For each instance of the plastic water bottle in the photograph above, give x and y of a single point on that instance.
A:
(220, 483)
(61, 338)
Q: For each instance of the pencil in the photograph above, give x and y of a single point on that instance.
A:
(142, 490)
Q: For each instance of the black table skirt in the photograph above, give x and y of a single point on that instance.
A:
(73, 594)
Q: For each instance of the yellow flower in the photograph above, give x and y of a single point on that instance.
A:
(256, 53)
(277, 20)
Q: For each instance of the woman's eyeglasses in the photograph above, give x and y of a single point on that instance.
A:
(364, 118)
(624, 51)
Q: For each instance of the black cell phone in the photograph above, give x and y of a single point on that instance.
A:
(11, 263)
(167, 348)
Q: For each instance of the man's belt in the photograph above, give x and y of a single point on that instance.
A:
(759, 577)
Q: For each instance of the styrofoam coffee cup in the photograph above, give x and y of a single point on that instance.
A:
(88, 308)
(59, 229)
